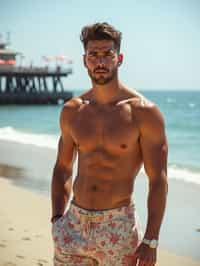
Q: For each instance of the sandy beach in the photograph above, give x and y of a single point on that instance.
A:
(25, 230)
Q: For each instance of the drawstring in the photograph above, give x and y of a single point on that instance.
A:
(87, 228)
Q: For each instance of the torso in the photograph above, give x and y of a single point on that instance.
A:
(109, 155)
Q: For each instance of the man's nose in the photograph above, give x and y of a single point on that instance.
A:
(101, 61)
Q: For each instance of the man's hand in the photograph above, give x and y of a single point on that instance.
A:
(55, 218)
(145, 256)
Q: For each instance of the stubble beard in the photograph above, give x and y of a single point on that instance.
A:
(102, 80)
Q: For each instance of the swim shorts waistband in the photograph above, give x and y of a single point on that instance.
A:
(103, 215)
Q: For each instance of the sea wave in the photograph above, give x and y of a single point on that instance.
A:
(40, 140)
(50, 141)
(183, 173)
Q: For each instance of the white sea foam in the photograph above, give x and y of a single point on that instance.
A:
(50, 141)
(41, 140)
(183, 174)
(191, 105)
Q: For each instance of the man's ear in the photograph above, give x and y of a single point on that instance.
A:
(120, 59)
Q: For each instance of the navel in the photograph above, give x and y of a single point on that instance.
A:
(123, 146)
(94, 188)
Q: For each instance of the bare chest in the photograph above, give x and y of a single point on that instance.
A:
(108, 127)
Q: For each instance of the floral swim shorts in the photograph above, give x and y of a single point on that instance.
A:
(104, 238)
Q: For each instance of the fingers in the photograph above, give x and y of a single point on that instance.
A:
(145, 262)
(144, 256)
(135, 262)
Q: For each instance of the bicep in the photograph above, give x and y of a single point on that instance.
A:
(66, 146)
(66, 152)
(154, 147)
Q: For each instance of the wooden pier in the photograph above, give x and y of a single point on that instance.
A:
(33, 85)
(30, 85)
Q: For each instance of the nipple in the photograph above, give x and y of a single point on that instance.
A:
(123, 146)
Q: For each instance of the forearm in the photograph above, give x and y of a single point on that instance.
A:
(60, 191)
(156, 207)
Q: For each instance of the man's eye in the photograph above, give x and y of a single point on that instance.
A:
(109, 53)
(92, 54)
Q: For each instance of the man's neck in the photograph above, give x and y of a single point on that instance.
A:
(105, 94)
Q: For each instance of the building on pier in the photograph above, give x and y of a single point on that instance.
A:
(30, 85)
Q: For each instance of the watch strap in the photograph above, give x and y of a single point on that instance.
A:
(153, 243)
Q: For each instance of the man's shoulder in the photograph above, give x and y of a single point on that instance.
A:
(143, 109)
(73, 106)
(139, 102)
(70, 108)
(76, 102)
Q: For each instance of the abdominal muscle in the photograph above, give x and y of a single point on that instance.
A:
(106, 184)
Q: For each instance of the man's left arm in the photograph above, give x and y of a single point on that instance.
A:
(154, 149)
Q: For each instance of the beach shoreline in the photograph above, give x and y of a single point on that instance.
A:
(25, 230)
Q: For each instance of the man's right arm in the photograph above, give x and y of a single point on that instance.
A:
(62, 174)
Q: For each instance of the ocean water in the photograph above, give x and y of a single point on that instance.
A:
(29, 137)
(39, 125)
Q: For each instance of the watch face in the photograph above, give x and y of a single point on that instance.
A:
(153, 243)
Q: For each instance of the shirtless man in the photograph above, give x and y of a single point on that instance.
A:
(114, 130)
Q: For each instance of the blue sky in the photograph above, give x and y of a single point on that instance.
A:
(161, 39)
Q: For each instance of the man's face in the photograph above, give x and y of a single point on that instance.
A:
(102, 61)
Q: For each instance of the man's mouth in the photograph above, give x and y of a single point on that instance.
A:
(101, 71)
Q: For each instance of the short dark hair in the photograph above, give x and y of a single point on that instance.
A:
(100, 31)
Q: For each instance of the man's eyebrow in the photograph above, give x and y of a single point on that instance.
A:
(101, 48)
(96, 50)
